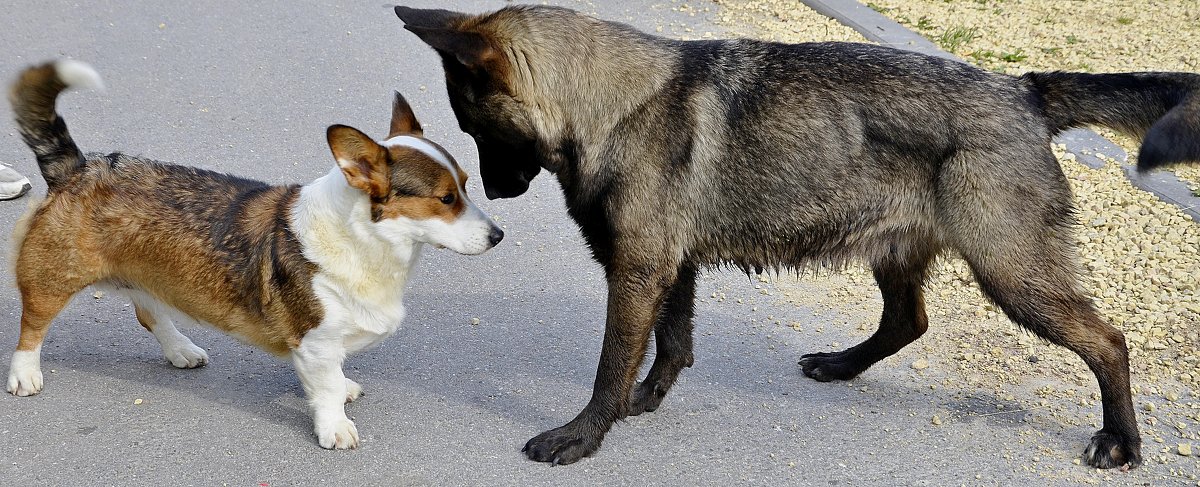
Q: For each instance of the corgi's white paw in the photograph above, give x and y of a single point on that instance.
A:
(25, 383)
(25, 374)
(186, 355)
(337, 434)
(353, 391)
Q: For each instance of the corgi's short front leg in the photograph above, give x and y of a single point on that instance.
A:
(318, 362)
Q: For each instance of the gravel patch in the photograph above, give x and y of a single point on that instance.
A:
(1139, 254)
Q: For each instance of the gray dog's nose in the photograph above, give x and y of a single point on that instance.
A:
(495, 236)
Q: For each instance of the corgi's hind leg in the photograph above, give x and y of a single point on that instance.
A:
(156, 317)
(48, 274)
(38, 309)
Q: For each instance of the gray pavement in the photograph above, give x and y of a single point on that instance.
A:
(248, 88)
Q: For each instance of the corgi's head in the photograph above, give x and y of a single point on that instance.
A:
(416, 189)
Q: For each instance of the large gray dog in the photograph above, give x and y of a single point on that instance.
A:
(674, 156)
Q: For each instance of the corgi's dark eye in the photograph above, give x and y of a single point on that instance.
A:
(448, 199)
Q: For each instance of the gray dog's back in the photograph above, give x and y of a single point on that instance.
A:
(788, 154)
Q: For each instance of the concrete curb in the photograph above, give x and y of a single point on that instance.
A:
(1083, 143)
(876, 27)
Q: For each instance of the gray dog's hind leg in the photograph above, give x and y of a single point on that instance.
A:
(903, 321)
(1044, 297)
(1022, 251)
(673, 344)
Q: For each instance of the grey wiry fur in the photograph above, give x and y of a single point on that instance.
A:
(676, 156)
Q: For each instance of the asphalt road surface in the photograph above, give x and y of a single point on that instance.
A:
(248, 88)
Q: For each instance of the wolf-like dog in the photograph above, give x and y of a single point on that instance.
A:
(674, 156)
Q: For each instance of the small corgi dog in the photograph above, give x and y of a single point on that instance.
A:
(312, 272)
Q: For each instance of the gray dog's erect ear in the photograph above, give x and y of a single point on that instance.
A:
(440, 29)
(428, 17)
(471, 49)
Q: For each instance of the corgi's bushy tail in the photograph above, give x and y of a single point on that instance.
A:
(33, 99)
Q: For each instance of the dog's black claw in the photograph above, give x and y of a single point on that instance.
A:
(1112, 450)
(562, 446)
(646, 398)
(825, 367)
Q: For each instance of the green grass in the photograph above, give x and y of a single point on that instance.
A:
(956, 37)
(982, 55)
(1014, 57)
(989, 55)
(877, 7)
(1071, 39)
(1124, 20)
(925, 23)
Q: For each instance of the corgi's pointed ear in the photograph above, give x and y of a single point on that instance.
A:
(429, 17)
(363, 161)
(470, 49)
(404, 122)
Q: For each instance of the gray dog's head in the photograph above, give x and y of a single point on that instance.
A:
(526, 83)
(482, 94)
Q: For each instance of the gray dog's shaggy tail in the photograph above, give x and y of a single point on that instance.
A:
(33, 98)
(1161, 108)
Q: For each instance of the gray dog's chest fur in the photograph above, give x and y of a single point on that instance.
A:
(770, 155)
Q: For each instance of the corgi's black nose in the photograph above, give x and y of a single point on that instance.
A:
(495, 236)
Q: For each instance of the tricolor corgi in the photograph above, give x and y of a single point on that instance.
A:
(310, 272)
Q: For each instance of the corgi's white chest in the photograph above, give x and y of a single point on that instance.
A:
(361, 277)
